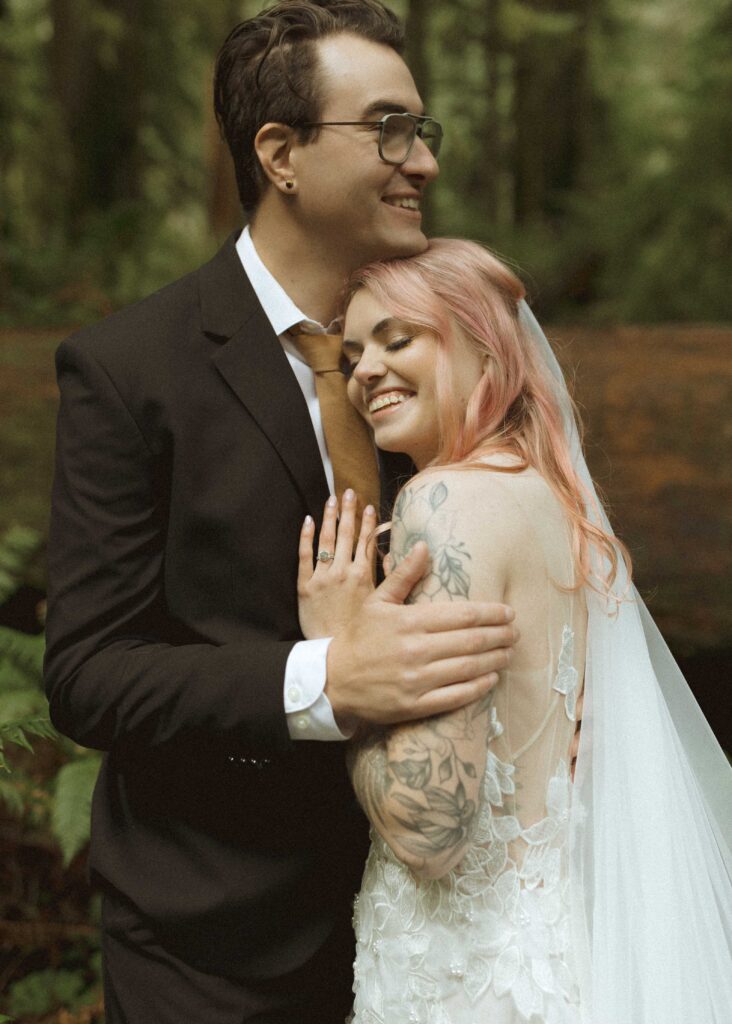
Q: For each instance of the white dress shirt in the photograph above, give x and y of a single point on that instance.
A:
(309, 713)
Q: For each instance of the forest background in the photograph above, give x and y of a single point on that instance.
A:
(587, 141)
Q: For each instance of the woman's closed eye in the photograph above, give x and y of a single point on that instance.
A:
(349, 363)
(394, 346)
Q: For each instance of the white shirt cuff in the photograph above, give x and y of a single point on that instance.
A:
(309, 712)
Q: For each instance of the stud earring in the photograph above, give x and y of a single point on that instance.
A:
(289, 184)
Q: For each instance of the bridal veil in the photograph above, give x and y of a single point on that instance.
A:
(651, 818)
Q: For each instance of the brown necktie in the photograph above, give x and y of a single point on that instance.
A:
(349, 441)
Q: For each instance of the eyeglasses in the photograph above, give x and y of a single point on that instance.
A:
(397, 133)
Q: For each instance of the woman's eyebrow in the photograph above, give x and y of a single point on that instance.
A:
(392, 323)
(387, 324)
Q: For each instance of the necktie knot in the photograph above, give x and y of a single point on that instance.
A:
(322, 352)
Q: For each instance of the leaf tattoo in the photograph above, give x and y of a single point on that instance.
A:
(444, 772)
(414, 774)
(438, 495)
(419, 515)
(412, 781)
(442, 825)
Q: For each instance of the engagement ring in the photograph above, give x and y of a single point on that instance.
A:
(325, 556)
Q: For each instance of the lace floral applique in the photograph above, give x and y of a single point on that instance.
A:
(567, 677)
(446, 951)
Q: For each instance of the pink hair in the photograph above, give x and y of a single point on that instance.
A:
(460, 287)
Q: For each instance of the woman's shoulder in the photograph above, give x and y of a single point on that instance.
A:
(475, 506)
(492, 486)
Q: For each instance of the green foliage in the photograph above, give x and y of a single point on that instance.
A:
(43, 991)
(72, 804)
(48, 793)
(585, 138)
(666, 218)
(24, 714)
(18, 546)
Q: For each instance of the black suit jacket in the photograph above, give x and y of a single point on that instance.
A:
(186, 462)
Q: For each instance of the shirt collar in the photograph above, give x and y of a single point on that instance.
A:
(278, 307)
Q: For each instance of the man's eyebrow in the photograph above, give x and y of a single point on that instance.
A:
(386, 107)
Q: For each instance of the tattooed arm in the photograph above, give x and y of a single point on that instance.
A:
(420, 783)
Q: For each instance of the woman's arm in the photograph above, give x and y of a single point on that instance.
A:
(420, 783)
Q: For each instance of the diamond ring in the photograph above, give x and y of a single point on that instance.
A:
(325, 556)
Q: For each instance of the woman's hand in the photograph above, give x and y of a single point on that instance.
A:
(331, 594)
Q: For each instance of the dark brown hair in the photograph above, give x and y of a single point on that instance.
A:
(267, 71)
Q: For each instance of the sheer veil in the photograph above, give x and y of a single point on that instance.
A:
(651, 818)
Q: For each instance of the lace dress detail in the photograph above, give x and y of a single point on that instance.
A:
(494, 926)
(490, 941)
(567, 675)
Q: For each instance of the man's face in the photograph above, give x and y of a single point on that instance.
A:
(348, 198)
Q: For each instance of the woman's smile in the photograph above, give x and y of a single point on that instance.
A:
(393, 369)
(385, 402)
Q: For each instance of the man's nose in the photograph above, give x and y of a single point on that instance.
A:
(421, 162)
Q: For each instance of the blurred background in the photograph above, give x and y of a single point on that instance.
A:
(586, 141)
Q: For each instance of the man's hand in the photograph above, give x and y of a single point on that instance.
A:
(394, 662)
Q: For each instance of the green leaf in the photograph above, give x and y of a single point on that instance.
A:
(18, 546)
(42, 991)
(72, 804)
(11, 796)
(13, 733)
(35, 725)
(21, 656)
(22, 704)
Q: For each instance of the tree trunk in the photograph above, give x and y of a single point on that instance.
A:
(550, 112)
(224, 210)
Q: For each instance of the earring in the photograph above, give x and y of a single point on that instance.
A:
(289, 184)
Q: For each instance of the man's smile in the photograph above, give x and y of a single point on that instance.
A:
(403, 202)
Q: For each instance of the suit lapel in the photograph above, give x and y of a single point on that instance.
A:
(252, 362)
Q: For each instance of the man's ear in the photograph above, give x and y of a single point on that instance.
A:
(272, 144)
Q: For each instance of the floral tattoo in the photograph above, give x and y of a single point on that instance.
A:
(419, 782)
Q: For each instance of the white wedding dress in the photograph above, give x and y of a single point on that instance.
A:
(614, 907)
(490, 942)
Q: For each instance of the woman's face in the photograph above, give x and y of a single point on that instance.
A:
(393, 377)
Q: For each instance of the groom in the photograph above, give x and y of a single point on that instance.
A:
(191, 445)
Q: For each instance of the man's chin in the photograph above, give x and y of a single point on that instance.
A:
(403, 247)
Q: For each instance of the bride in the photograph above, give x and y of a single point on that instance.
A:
(501, 887)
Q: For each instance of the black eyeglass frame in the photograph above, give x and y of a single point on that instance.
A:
(420, 122)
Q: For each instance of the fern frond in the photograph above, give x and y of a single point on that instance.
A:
(15, 732)
(21, 657)
(71, 812)
(18, 546)
(11, 796)
(20, 704)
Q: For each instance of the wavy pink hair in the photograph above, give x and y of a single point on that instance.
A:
(459, 287)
